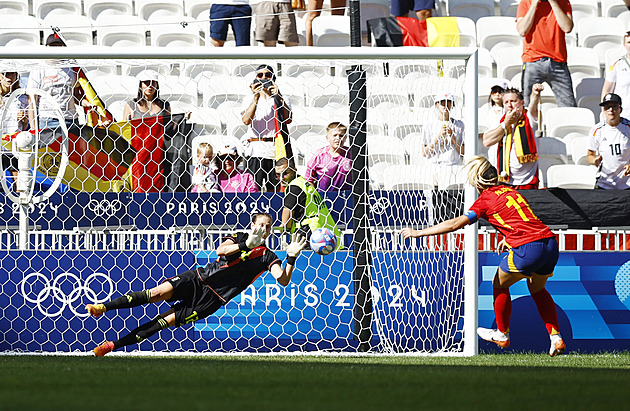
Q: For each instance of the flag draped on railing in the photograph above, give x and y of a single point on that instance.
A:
(407, 31)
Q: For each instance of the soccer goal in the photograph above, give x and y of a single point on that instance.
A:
(101, 204)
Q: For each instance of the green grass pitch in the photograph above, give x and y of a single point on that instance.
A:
(262, 382)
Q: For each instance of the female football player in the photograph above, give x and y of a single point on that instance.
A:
(532, 250)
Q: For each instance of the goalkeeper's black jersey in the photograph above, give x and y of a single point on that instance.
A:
(229, 275)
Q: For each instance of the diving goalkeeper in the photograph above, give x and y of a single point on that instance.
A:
(200, 292)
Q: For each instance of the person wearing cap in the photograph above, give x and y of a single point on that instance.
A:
(204, 179)
(443, 136)
(618, 75)
(330, 168)
(261, 111)
(608, 146)
(495, 101)
(148, 102)
(543, 25)
(230, 178)
(514, 139)
(62, 85)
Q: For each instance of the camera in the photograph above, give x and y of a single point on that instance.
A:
(266, 83)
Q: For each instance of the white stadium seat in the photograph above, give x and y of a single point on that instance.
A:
(44, 8)
(14, 7)
(76, 31)
(600, 34)
(19, 31)
(331, 31)
(562, 121)
(509, 62)
(508, 7)
(150, 10)
(579, 150)
(96, 9)
(166, 32)
(584, 9)
(583, 62)
(473, 9)
(121, 31)
(497, 32)
(571, 176)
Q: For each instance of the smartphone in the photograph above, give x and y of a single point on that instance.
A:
(266, 83)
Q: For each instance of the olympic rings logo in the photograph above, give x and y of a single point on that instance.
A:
(81, 290)
(105, 208)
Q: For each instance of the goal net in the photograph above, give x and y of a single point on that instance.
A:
(112, 195)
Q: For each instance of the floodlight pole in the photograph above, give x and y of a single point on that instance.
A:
(360, 191)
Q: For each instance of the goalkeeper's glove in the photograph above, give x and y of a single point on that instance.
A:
(298, 242)
(255, 238)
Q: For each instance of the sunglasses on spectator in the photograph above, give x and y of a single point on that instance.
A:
(496, 89)
(613, 106)
(266, 74)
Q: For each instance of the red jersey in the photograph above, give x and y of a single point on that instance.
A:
(508, 211)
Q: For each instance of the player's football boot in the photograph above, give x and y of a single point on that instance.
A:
(95, 309)
(493, 335)
(557, 345)
(104, 348)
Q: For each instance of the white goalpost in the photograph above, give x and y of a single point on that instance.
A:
(118, 214)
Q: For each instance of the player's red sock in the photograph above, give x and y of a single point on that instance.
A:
(502, 308)
(547, 310)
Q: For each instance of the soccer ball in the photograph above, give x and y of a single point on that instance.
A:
(323, 241)
(24, 140)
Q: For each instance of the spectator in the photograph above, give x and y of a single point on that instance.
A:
(517, 156)
(235, 13)
(275, 22)
(443, 136)
(204, 179)
(618, 75)
(261, 111)
(543, 25)
(147, 102)
(314, 10)
(304, 209)
(401, 8)
(229, 177)
(330, 169)
(16, 119)
(495, 111)
(609, 146)
(62, 85)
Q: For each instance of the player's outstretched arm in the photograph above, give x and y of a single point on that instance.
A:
(283, 275)
(442, 228)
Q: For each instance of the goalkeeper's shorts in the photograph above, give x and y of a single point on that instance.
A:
(195, 299)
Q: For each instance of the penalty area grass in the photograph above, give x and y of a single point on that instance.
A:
(293, 382)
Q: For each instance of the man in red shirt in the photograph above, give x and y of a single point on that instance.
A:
(543, 25)
(531, 246)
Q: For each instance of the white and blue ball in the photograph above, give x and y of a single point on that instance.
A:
(323, 241)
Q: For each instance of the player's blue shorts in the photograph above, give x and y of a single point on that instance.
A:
(538, 257)
(401, 7)
(239, 16)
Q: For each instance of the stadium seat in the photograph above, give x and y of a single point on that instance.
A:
(612, 54)
(571, 176)
(95, 9)
(76, 31)
(292, 89)
(44, 8)
(600, 34)
(408, 177)
(584, 9)
(218, 89)
(588, 94)
(248, 70)
(376, 69)
(509, 63)
(424, 88)
(579, 150)
(296, 69)
(116, 108)
(412, 142)
(205, 121)
(413, 69)
(329, 90)
(377, 175)
(14, 7)
(121, 31)
(473, 9)
(163, 69)
(195, 71)
(485, 64)
(173, 89)
(583, 62)
(562, 121)
(307, 144)
(372, 9)
(331, 31)
(198, 10)
(150, 10)
(111, 88)
(508, 7)
(553, 148)
(497, 32)
(467, 32)
(612, 8)
(19, 31)
(166, 32)
(385, 149)
(387, 89)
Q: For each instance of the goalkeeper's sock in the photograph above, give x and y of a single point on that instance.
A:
(547, 310)
(142, 333)
(502, 308)
(129, 300)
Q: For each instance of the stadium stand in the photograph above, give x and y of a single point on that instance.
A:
(473, 9)
(600, 34)
(571, 176)
(96, 9)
